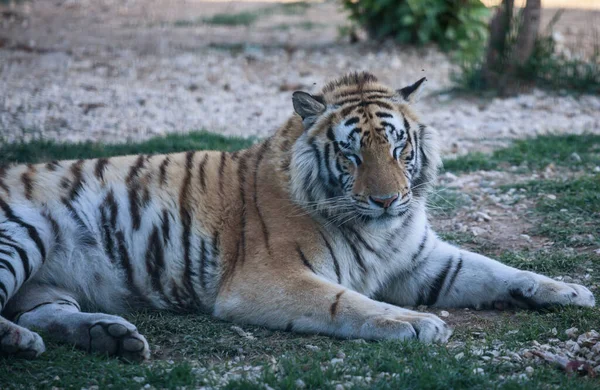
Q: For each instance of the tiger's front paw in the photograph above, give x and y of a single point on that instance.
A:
(538, 291)
(424, 327)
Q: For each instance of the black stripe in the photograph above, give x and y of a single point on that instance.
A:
(203, 264)
(125, 261)
(6, 241)
(455, 274)
(304, 259)
(362, 241)
(28, 181)
(383, 115)
(77, 171)
(134, 171)
(421, 246)
(186, 221)
(356, 252)
(330, 174)
(166, 226)
(321, 174)
(259, 158)
(155, 261)
(202, 172)
(221, 171)
(107, 238)
(55, 228)
(33, 233)
(99, 169)
(87, 238)
(3, 288)
(352, 121)
(162, 176)
(52, 165)
(438, 283)
(7, 265)
(2, 176)
(244, 217)
(336, 265)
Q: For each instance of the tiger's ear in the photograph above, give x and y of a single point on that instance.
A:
(411, 93)
(307, 106)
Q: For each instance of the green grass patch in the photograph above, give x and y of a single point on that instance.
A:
(534, 153)
(568, 211)
(237, 19)
(446, 201)
(44, 150)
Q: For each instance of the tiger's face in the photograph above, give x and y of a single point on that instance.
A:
(363, 154)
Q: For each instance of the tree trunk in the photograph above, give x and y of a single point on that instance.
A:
(528, 32)
(495, 53)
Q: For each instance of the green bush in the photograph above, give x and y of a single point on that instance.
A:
(449, 23)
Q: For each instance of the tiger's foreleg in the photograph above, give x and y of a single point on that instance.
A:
(307, 303)
(446, 276)
(57, 314)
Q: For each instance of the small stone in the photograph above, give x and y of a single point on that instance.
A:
(563, 210)
(572, 333)
(312, 347)
(526, 237)
(597, 169)
(551, 197)
(483, 215)
(554, 331)
(339, 387)
(529, 370)
(335, 361)
(572, 346)
(444, 313)
(341, 354)
(459, 355)
(575, 157)
(300, 384)
(139, 379)
(479, 371)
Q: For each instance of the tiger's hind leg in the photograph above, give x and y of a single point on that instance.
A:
(25, 237)
(58, 315)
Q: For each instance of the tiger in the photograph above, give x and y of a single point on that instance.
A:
(321, 228)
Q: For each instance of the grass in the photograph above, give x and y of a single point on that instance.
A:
(248, 18)
(534, 153)
(195, 350)
(44, 150)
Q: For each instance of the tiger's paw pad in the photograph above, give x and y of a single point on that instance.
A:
(20, 342)
(118, 339)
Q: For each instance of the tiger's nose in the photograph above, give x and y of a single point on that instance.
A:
(384, 201)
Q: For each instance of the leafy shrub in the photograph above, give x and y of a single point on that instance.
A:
(450, 23)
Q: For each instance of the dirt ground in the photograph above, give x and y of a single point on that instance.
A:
(113, 70)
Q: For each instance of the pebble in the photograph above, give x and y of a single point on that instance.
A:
(529, 370)
(572, 333)
(335, 361)
(444, 313)
(551, 197)
(575, 157)
(300, 384)
(312, 347)
(479, 371)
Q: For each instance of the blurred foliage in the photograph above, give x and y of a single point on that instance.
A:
(452, 24)
(549, 67)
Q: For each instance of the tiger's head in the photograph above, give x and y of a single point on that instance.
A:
(362, 154)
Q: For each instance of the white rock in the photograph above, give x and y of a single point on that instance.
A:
(459, 355)
(572, 333)
(551, 196)
(300, 384)
(479, 371)
(529, 370)
(312, 347)
(444, 313)
(335, 361)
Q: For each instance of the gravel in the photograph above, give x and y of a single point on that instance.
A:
(105, 80)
